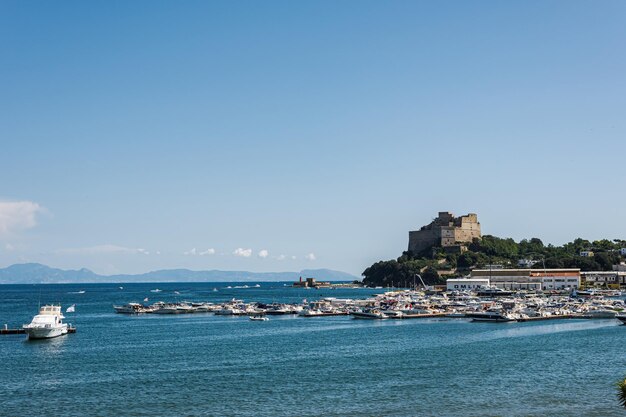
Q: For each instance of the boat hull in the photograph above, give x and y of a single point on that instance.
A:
(487, 317)
(45, 333)
(368, 316)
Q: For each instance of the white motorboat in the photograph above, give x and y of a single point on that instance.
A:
(372, 314)
(130, 308)
(47, 324)
(601, 313)
(491, 315)
(259, 317)
(310, 313)
(230, 311)
(167, 309)
(278, 310)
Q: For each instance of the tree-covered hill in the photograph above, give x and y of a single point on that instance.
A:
(492, 250)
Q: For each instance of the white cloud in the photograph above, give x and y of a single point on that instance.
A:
(246, 253)
(194, 252)
(102, 249)
(293, 257)
(310, 256)
(17, 215)
(263, 253)
(281, 257)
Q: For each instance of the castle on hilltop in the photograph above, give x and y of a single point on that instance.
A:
(446, 231)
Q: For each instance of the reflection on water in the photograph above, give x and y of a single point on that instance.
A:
(46, 348)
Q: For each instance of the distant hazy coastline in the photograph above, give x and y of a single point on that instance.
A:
(34, 273)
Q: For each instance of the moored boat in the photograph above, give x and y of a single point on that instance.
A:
(130, 308)
(47, 324)
(601, 313)
(489, 315)
(372, 314)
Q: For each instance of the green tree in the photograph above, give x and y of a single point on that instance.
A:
(621, 392)
(430, 276)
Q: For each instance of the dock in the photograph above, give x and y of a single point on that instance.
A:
(564, 316)
(22, 331)
(419, 316)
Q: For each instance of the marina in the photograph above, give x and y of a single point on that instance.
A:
(364, 363)
(520, 306)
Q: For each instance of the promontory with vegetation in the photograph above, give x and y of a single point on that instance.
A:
(451, 246)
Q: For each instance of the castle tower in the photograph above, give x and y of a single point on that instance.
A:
(446, 231)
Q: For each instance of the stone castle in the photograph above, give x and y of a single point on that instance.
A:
(446, 231)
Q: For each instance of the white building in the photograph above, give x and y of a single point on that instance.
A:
(531, 279)
(559, 283)
(586, 254)
(622, 251)
(598, 278)
(463, 284)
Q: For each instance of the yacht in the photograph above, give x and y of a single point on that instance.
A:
(310, 313)
(130, 308)
(47, 324)
(258, 317)
(492, 315)
(372, 314)
(167, 309)
(601, 313)
(230, 311)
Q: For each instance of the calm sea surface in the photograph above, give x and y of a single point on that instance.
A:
(201, 364)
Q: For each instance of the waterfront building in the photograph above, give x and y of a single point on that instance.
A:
(531, 279)
(613, 279)
(311, 283)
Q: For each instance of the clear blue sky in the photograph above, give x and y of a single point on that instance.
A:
(133, 132)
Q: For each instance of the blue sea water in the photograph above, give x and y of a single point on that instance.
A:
(206, 365)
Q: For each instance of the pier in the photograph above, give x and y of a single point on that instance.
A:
(418, 316)
(564, 316)
(8, 331)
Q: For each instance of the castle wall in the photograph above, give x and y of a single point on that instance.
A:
(422, 239)
(445, 231)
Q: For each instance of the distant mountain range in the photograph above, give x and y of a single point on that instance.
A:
(34, 273)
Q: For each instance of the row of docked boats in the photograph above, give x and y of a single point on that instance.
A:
(520, 306)
(517, 307)
(233, 307)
